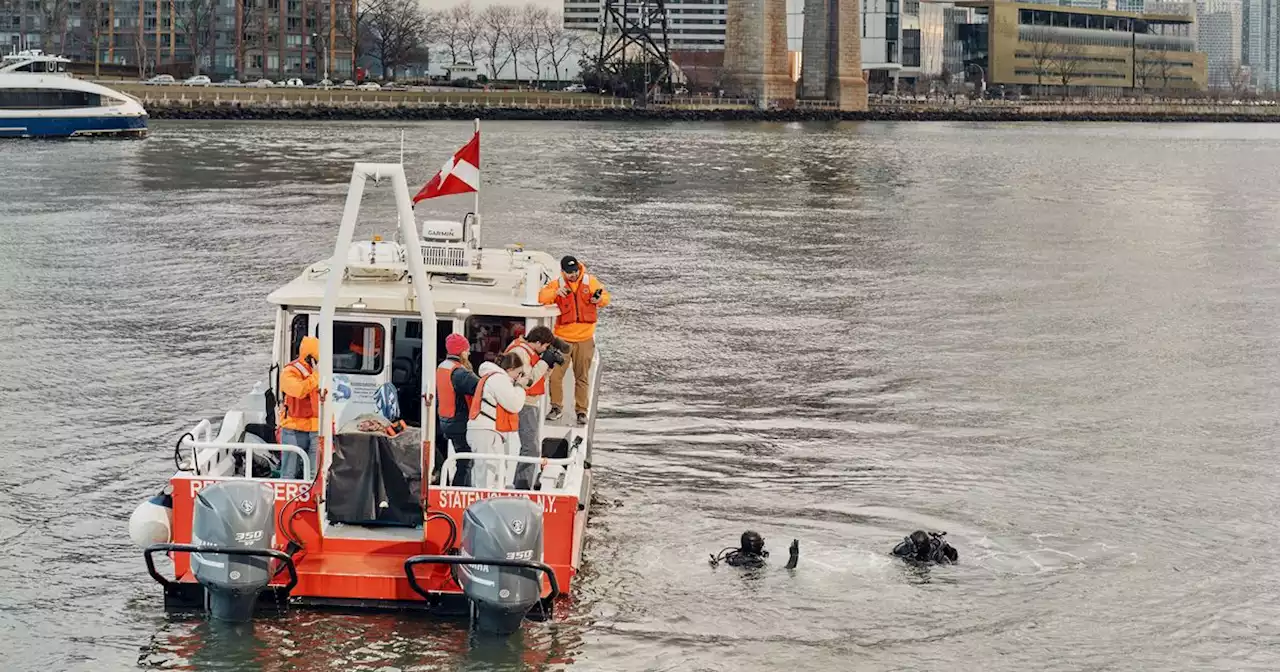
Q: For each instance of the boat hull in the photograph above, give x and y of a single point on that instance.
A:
(73, 126)
(370, 573)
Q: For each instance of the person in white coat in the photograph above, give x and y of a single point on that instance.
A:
(493, 424)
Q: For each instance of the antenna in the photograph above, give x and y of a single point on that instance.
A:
(402, 146)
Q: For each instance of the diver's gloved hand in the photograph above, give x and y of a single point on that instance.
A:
(795, 554)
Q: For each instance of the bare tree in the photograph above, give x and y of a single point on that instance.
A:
(140, 52)
(53, 23)
(1164, 70)
(526, 44)
(1146, 67)
(1067, 64)
(497, 23)
(558, 42)
(1239, 81)
(93, 16)
(1042, 52)
(459, 30)
(353, 27)
(396, 30)
(251, 37)
(195, 21)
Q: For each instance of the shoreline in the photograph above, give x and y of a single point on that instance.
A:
(232, 111)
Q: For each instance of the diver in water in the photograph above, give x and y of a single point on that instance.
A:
(926, 548)
(751, 554)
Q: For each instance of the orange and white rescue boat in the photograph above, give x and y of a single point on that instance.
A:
(366, 527)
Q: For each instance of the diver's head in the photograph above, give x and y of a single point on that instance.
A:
(921, 541)
(752, 543)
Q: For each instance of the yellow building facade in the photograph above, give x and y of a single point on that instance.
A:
(1027, 48)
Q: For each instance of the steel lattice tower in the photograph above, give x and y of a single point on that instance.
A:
(637, 28)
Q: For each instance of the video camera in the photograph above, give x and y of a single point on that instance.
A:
(553, 356)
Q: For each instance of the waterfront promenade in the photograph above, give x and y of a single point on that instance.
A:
(217, 102)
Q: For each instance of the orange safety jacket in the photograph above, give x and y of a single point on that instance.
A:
(446, 396)
(506, 421)
(539, 387)
(576, 307)
(301, 413)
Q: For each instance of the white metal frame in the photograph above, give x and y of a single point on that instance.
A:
(408, 228)
(207, 452)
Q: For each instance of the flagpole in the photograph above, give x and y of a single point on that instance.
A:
(476, 210)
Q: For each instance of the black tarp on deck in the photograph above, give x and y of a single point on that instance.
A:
(375, 479)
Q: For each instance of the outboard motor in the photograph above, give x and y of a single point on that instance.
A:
(501, 528)
(233, 514)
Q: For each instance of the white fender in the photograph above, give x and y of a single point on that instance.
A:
(152, 522)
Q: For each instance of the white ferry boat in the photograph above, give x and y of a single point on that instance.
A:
(39, 98)
(368, 528)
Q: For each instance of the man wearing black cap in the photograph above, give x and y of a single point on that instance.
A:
(579, 296)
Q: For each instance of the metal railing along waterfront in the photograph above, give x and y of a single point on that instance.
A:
(282, 99)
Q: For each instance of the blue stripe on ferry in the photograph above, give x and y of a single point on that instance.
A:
(61, 127)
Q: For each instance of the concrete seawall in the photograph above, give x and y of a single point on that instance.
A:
(301, 110)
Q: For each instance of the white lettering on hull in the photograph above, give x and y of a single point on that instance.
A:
(284, 490)
(457, 499)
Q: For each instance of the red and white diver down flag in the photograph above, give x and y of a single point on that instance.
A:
(460, 174)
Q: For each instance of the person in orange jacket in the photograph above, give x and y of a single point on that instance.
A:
(579, 297)
(300, 418)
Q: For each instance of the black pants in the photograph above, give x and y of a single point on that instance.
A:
(462, 475)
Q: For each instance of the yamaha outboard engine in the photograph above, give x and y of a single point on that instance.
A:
(501, 528)
(233, 514)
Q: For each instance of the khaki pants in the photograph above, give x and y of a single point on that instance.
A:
(579, 358)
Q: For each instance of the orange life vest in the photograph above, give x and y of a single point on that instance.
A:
(577, 306)
(357, 347)
(506, 421)
(302, 407)
(446, 396)
(539, 387)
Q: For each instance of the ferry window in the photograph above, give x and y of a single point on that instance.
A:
(46, 98)
(357, 347)
(490, 335)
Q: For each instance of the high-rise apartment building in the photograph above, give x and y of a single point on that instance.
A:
(692, 25)
(276, 39)
(1260, 42)
(1219, 30)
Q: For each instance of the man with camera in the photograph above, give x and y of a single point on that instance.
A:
(578, 296)
(538, 351)
(300, 417)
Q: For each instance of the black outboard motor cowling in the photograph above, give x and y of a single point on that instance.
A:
(233, 514)
(501, 528)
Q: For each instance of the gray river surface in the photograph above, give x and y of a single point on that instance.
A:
(1058, 343)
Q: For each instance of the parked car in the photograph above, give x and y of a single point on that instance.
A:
(324, 83)
(198, 80)
(575, 88)
(230, 82)
(263, 84)
(369, 86)
(292, 82)
(348, 84)
(161, 79)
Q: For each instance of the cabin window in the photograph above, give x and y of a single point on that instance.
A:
(25, 99)
(297, 330)
(490, 336)
(407, 365)
(358, 348)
